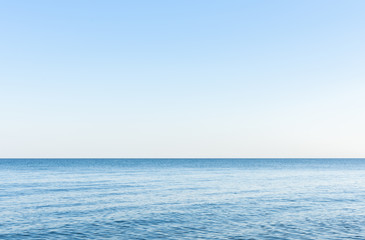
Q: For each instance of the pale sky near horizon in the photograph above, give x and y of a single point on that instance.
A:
(182, 78)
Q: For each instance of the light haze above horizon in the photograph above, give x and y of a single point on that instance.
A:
(182, 79)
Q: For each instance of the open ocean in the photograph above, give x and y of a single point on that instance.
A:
(182, 199)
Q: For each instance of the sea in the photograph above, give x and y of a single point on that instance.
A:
(182, 199)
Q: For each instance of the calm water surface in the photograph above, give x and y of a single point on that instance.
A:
(182, 198)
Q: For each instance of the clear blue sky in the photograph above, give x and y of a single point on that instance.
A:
(182, 78)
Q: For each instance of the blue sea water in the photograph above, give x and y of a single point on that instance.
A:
(182, 199)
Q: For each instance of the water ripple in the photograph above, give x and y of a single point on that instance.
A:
(198, 201)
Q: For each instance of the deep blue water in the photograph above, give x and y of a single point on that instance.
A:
(182, 198)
